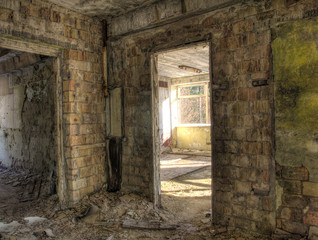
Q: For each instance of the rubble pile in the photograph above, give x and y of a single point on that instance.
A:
(102, 215)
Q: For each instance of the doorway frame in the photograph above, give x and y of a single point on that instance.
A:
(35, 47)
(155, 189)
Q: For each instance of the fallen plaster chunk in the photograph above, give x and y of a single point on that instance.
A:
(32, 220)
(90, 215)
(49, 232)
(9, 227)
(111, 237)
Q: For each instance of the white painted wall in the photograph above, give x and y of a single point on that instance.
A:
(10, 123)
(164, 116)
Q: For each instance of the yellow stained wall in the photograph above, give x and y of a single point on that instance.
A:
(193, 137)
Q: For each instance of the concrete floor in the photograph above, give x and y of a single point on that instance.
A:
(175, 165)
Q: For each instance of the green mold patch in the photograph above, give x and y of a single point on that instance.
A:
(295, 58)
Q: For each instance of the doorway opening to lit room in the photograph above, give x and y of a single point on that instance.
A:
(28, 133)
(182, 132)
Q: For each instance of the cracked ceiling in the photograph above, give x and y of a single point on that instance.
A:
(102, 8)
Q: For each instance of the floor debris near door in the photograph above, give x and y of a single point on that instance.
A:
(118, 215)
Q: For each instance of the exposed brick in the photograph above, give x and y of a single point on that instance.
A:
(286, 213)
(69, 107)
(293, 187)
(260, 75)
(75, 140)
(265, 65)
(265, 15)
(311, 218)
(45, 13)
(87, 171)
(251, 148)
(294, 201)
(246, 52)
(242, 187)
(313, 233)
(260, 106)
(243, 94)
(247, 40)
(72, 118)
(69, 85)
(267, 204)
(243, 26)
(231, 146)
(294, 227)
(75, 196)
(292, 173)
(73, 129)
(78, 184)
(249, 66)
(6, 15)
(253, 201)
(34, 10)
(260, 189)
(258, 134)
(55, 16)
(87, 190)
(310, 189)
(261, 162)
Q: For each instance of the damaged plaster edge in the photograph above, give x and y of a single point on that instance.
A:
(61, 162)
(31, 46)
(126, 24)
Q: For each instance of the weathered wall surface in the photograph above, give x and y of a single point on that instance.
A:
(243, 117)
(164, 114)
(296, 83)
(80, 41)
(196, 137)
(28, 119)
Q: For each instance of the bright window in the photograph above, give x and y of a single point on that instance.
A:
(194, 104)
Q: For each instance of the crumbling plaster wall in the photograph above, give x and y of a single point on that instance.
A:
(244, 189)
(28, 119)
(295, 58)
(193, 137)
(79, 40)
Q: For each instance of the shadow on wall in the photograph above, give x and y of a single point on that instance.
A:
(27, 118)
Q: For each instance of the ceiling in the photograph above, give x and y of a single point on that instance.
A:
(195, 57)
(102, 8)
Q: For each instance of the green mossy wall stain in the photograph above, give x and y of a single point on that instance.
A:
(296, 75)
(295, 56)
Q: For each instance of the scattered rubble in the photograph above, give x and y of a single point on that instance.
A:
(110, 216)
(154, 225)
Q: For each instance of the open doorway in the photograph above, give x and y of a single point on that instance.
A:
(28, 155)
(183, 146)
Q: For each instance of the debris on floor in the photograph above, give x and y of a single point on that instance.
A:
(118, 215)
(132, 224)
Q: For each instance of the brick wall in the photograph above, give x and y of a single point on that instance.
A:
(80, 40)
(243, 114)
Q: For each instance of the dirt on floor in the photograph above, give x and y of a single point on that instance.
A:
(188, 197)
(185, 214)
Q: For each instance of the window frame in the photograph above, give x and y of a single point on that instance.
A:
(205, 94)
